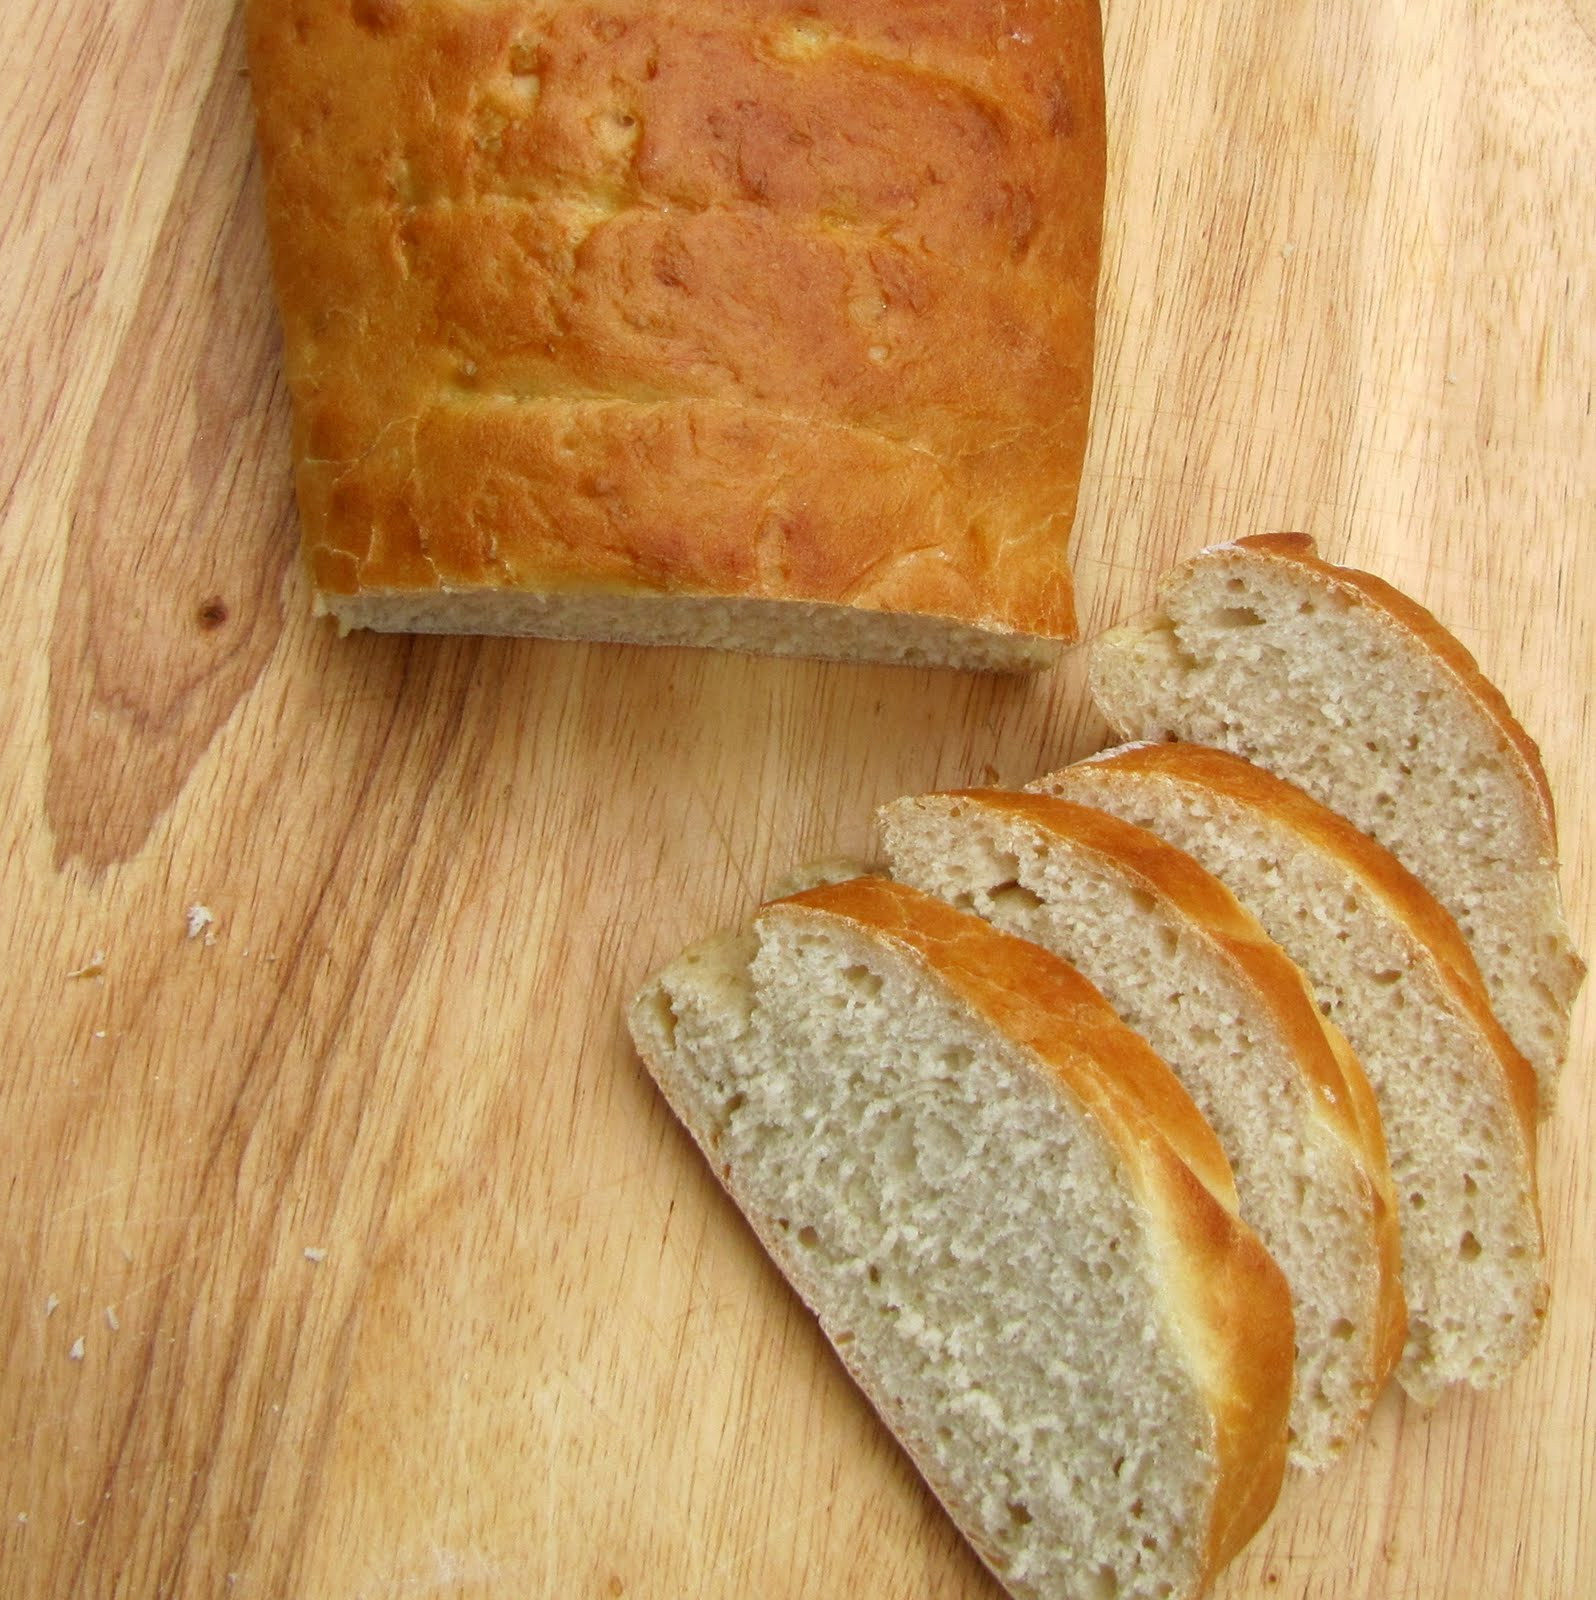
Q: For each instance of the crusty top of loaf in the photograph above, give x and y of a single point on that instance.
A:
(1423, 629)
(1223, 1287)
(1404, 896)
(698, 296)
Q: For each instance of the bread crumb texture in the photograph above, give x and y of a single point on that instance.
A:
(1456, 1100)
(1003, 1269)
(1329, 677)
(1196, 977)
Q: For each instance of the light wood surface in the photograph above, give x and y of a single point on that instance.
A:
(347, 1251)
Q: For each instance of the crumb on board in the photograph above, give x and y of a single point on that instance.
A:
(314, 1252)
(76, 1352)
(112, 1321)
(50, 1303)
(94, 967)
(200, 919)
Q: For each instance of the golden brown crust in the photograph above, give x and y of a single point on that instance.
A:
(1224, 1289)
(1342, 1093)
(1427, 632)
(688, 298)
(1405, 898)
(1391, 1328)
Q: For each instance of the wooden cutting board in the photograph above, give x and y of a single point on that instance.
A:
(347, 1251)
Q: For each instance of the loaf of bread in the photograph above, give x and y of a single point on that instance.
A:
(695, 321)
(1187, 968)
(1010, 1220)
(1391, 970)
(1331, 678)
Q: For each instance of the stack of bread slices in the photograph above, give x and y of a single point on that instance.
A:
(1128, 1133)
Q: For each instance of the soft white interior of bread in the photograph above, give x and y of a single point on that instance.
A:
(773, 627)
(1472, 1258)
(967, 1240)
(1262, 658)
(1300, 1186)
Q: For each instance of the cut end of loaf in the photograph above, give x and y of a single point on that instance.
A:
(767, 627)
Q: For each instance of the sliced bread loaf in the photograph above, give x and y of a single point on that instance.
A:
(1195, 976)
(1390, 969)
(1331, 678)
(1011, 1221)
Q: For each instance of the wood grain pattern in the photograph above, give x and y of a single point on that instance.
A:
(1348, 288)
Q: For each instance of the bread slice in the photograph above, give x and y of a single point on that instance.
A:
(1391, 970)
(1331, 678)
(751, 327)
(1195, 976)
(1011, 1221)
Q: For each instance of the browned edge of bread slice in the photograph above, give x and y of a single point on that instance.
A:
(1222, 793)
(1221, 1290)
(1338, 682)
(1404, 895)
(1312, 1098)
(1427, 628)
